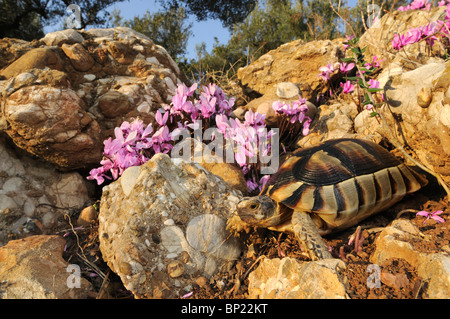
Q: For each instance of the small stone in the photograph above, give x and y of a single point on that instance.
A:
(87, 216)
(175, 269)
(33, 268)
(424, 97)
(68, 36)
(89, 77)
(445, 115)
(288, 279)
(79, 57)
(287, 90)
(201, 281)
(396, 241)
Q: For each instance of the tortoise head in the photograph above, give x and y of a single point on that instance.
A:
(261, 211)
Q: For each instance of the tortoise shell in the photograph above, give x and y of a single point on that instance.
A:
(341, 182)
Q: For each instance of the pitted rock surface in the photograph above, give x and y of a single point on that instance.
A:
(79, 85)
(163, 223)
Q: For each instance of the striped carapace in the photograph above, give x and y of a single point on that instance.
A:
(337, 184)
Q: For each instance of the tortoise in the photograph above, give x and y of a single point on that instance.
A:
(327, 188)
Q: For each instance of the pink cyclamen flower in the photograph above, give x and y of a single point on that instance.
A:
(369, 107)
(326, 71)
(254, 119)
(347, 87)
(346, 67)
(397, 41)
(373, 84)
(161, 119)
(349, 38)
(416, 5)
(433, 215)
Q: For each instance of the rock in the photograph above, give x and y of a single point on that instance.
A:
(87, 216)
(54, 117)
(289, 279)
(331, 121)
(79, 57)
(58, 38)
(378, 38)
(33, 268)
(421, 125)
(206, 157)
(287, 90)
(79, 86)
(11, 49)
(156, 215)
(395, 241)
(113, 104)
(33, 192)
(263, 105)
(296, 62)
(38, 58)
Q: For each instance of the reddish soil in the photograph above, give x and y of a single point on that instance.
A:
(399, 279)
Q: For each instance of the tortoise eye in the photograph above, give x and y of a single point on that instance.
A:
(254, 206)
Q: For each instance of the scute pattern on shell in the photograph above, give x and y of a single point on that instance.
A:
(342, 182)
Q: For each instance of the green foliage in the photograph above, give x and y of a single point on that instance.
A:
(25, 19)
(270, 24)
(18, 22)
(229, 12)
(167, 28)
(359, 15)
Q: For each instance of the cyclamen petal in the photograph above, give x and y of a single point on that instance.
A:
(346, 67)
(347, 87)
(160, 118)
(423, 213)
(373, 84)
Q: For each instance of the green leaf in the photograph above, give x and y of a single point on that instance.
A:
(374, 90)
(347, 60)
(361, 83)
(357, 51)
(352, 78)
(367, 99)
(373, 114)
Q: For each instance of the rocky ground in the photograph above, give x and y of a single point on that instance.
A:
(399, 279)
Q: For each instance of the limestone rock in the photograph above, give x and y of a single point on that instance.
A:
(288, 279)
(297, 62)
(79, 57)
(162, 213)
(78, 86)
(263, 105)
(395, 241)
(33, 268)
(39, 115)
(378, 38)
(38, 58)
(331, 121)
(422, 127)
(57, 38)
(203, 154)
(34, 195)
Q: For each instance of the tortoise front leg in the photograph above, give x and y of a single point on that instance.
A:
(308, 236)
